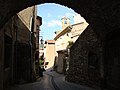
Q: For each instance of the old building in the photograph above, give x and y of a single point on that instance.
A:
(36, 37)
(102, 16)
(69, 34)
(49, 54)
(85, 59)
(18, 47)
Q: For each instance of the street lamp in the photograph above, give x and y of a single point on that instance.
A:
(41, 41)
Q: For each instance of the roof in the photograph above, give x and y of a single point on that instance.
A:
(65, 17)
(49, 41)
(56, 32)
(67, 29)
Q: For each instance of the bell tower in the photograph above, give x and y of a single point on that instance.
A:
(65, 22)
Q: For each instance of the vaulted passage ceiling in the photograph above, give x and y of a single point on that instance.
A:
(103, 15)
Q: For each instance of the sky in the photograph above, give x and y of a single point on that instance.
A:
(51, 18)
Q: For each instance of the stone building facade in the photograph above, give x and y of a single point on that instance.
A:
(68, 34)
(103, 17)
(85, 56)
(36, 36)
(18, 48)
(49, 54)
(94, 62)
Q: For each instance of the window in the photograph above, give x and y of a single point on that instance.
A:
(65, 22)
(92, 60)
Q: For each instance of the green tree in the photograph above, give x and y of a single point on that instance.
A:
(70, 44)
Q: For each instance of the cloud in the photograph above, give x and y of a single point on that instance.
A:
(54, 23)
(69, 15)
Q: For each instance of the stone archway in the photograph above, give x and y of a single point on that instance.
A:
(112, 62)
(102, 15)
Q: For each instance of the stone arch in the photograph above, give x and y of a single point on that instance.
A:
(112, 60)
(99, 14)
(102, 15)
(9, 9)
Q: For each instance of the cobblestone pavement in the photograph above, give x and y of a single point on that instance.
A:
(50, 81)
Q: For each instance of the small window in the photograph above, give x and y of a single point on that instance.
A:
(65, 22)
(67, 34)
(92, 60)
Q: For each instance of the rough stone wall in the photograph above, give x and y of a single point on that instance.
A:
(24, 60)
(23, 63)
(77, 29)
(95, 12)
(23, 33)
(103, 15)
(79, 71)
(1, 58)
(17, 29)
(112, 60)
(5, 72)
(25, 16)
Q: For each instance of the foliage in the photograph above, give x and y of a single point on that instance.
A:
(70, 44)
(41, 60)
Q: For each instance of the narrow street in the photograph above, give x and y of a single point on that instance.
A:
(50, 81)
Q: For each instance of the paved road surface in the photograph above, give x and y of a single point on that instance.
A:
(50, 81)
